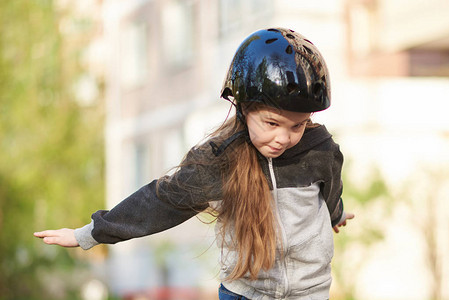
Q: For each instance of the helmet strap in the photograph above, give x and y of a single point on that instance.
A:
(218, 150)
(239, 113)
(238, 110)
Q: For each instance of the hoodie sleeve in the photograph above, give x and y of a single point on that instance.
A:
(333, 186)
(155, 207)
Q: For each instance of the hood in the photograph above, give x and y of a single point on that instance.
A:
(311, 138)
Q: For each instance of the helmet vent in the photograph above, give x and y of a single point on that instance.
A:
(308, 41)
(272, 29)
(227, 94)
(289, 49)
(290, 36)
(317, 89)
(308, 50)
(270, 41)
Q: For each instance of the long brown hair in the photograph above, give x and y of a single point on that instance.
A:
(246, 210)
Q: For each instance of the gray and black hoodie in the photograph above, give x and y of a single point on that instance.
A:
(306, 186)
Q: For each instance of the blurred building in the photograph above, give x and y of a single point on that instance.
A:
(398, 68)
(166, 61)
(398, 38)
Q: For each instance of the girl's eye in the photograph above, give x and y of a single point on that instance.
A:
(272, 124)
(300, 125)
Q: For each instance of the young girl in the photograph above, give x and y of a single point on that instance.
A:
(271, 176)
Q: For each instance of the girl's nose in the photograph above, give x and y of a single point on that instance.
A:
(283, 137)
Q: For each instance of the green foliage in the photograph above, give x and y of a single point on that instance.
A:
(51, 162)
(371, 201)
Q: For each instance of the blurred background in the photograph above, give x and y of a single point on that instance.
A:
(99, 97)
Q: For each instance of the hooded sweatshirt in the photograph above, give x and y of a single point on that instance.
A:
(305, 182)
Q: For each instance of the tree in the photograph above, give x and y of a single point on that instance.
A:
(352, 244)
(51, 162)
(427, 192)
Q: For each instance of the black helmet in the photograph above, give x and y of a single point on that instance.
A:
(280, 68)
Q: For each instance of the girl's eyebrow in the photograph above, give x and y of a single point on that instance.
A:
(269, 117)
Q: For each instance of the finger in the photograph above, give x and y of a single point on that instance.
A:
(350, 216)
(336, 229)
(40, 234)
(60, 242)
(51, 240)
(45, 233)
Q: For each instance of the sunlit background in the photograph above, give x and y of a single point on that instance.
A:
(100, 97)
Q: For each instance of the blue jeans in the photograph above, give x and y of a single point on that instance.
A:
(225, 294)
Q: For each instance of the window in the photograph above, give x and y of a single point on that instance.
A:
(231, 14)
(178, 32)
(173, 149)
(235, 14)
(360, 30)
(142, 165)
(134, 54)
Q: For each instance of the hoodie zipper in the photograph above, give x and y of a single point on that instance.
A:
(281, 226)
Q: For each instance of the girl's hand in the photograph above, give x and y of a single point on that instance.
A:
(63, 237)
(348, 216)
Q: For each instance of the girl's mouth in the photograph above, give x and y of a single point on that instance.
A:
(275, 149)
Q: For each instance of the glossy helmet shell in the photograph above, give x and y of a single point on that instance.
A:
(280, 68)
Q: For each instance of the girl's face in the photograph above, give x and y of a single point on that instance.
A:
(274, 131)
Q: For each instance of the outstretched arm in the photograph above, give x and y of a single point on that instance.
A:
(153, 208)
(347, 216)
(63, 237)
